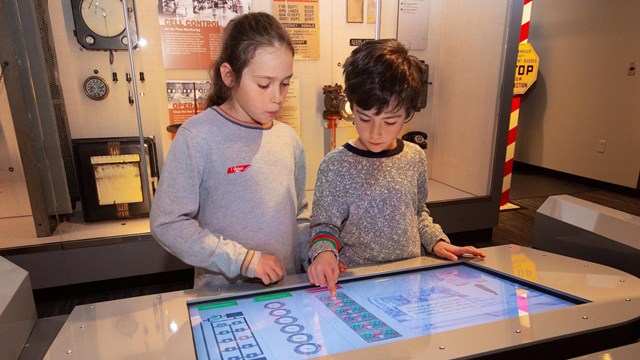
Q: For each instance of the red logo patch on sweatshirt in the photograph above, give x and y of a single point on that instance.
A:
(237, 169)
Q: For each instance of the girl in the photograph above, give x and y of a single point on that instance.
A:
(231, 199)
(369, 204)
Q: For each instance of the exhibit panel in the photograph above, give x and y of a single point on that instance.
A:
(515, 301)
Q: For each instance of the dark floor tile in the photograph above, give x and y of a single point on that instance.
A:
(530, 185)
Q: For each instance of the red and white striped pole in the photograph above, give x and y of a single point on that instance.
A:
(513, 119)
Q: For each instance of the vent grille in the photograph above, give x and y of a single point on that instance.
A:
(62, 122)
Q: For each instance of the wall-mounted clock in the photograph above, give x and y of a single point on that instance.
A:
(100, 24)
(95, 88)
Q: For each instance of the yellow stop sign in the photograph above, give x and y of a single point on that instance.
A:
(526, 68)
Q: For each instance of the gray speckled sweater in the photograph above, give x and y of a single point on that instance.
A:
(371, 206)
(228, 192)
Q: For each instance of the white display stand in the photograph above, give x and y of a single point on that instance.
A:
(578, 228)
(158, 326)
(17, 309)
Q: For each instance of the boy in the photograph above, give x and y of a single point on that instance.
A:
(369, 203)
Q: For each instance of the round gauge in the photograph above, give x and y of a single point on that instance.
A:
(96, 88)
(103, 17)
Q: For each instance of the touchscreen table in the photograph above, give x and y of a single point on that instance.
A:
(305, 322)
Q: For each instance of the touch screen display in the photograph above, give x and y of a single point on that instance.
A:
(306, 322)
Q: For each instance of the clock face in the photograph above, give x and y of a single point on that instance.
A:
(102, 24)
(103, 17)
(96, 88)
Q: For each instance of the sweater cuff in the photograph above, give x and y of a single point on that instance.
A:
(320, 247)
(249, 263)
(325, 237)
(323, 241)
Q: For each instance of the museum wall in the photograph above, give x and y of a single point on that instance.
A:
(584, 93)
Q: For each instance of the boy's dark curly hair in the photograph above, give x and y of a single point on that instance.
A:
(379, 72)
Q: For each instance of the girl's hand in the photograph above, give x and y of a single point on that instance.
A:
(269, 269)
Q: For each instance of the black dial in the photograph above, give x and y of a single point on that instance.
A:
(96, 88)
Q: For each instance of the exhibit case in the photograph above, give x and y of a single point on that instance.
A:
(81, 163)
(66, 81)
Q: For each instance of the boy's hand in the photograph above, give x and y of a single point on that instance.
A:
(451, 252)
(269, 269)
(342, 267)
(324, 271)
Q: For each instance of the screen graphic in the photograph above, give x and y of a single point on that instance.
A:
(306, 322)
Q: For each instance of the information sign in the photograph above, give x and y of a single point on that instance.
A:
(526, 68)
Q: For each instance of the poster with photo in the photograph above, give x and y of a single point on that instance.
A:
(186, 98)
(302, 20)
(191, 30)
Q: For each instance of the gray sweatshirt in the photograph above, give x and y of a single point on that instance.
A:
(370, 207)
(229, 191)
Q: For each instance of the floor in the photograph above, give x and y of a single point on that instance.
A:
(529, 190)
